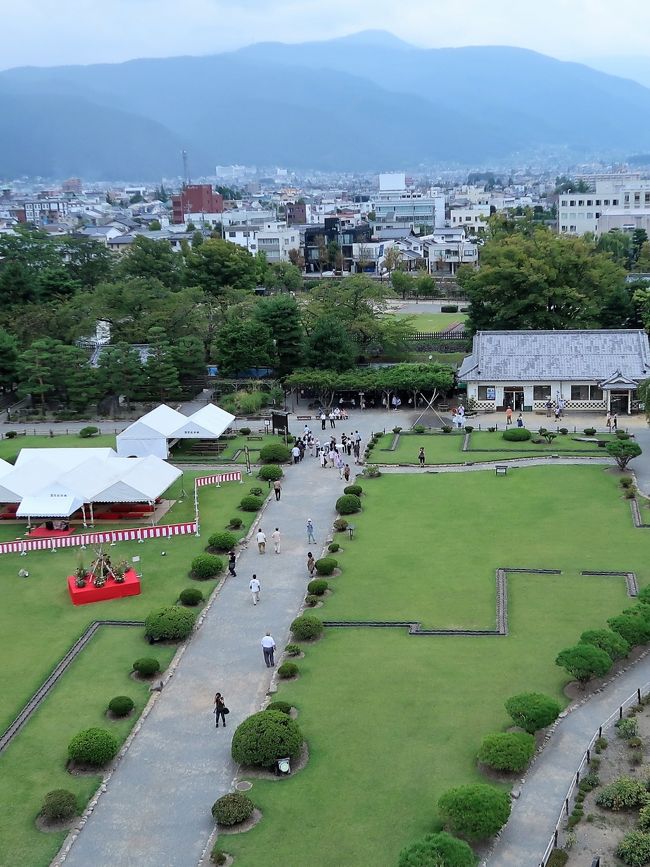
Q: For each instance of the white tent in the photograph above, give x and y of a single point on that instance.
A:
(5, 467)
(140, 480)
(49, 506)
(150, 435)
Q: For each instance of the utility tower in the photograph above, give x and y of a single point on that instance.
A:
(186, 169)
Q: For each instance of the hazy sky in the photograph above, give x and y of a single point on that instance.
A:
(53, 32)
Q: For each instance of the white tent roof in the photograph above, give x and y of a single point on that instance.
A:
(149, 435)
(51, 505)
(5, 467)
(63, 459)
(161, 421)
(212, 420)
(141, 479)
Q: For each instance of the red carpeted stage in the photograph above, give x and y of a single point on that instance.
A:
(42, 533)
(110, 590)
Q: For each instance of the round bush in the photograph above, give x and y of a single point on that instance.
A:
(622, 435)
(516, 434)
(317, 587)
(292, 650)
(507, 751)
(218, 856)
(614, 645)
(476, 811)
(287, 670)
(206, 566)
(584, 661)
(251, 503)
(348, 504)
(435, 850)
(245, 431)
(306, 628)
(311, 601)
(223, 541)
(232, 809)
(532, 711)
(281, 706)
(59, 805)
(270, 473)
(333, 547)
(274, 453)
(624, 793)
(632, 627)
(469, 428)
(340, 525)
(326, 565)
(191, 596)
(93, 747)
(121, 705)
(265, 737)
(353, 489)
(420, 429)
(644, 819)
(590, 431)
(235, 523)
(147, 666)
(172, 623)
(89, 431)
(634, 849)
(256, 491)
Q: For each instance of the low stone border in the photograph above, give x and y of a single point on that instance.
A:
(636, 516)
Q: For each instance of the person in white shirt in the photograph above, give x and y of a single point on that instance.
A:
(295, 451)
(275, 535)
(255, 588)
(261, 541)
(268, 649)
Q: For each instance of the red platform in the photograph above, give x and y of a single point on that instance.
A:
(42, 533)
(110, 590)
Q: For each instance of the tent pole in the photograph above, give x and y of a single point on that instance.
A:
(153, 513)
(83, 514)
(92, 515)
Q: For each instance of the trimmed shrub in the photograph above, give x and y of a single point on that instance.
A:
(59, 805)
(232, 809)
(257, 492)
(244, 431)
(265, 737)
(476, 811)
(223, 541)
(623, 452)
(420, 429)
(532, 711)
(584, 661)
(318, 586)
(627, 728)
(218, 856)
(614, 645)
(282, 706)
(634, 849)
(90, 431)
(622, 435)
(312, 601)
(147, 666)
(507, 751)
(469, 428)
(171, 623)
(235, 523)
(340, 525)
(348, 504)
(274, 453)
(11, 434)
(633, 628)
(93, 747)
(191, 596)
(206, 566)
(644, 595)
(437, 849)
(564, 431)
(306, 628)
(623, 794)
(644, 819)
(326, 565)
(517, 434)
(333, 547)
(251, 503)
(287, 670)
(270, 473)
(293, 650)
(449, 308)
(121, 705)
(590, 431)
(353, 489)
(446, 429)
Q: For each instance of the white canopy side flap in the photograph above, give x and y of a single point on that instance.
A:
(49, 506)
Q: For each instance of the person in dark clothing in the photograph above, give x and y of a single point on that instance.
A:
(232, 560)
(219, 709)
(421, 456)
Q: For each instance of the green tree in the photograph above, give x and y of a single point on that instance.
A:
(149, 259)
(639, 238)
(643, 260)
(120, 371)
(18, 285)
(283, 277)
(532, 710)
(329, 346)
(217, 264)
(76, 380)
(476, 811)
(281, 315)
(37, 371)
(392, 259)
(623, 451)
(88, 262)
(618, 244)
(155, 226)
(584, 661)
(563, 184)
(160, 369)
(8, 359)
(55, 281)
(242, 344)
(189, 357)
(402, 283)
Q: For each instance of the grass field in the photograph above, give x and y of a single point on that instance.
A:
(38, 624)
(434, 321)
(9, 448)
(484, 446)
(393, 720)
(182, 452)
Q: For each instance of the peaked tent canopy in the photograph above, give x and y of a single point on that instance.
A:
(150, 434)
(49, 506)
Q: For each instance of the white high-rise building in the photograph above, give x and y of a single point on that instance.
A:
(398, 207)
(578, 213)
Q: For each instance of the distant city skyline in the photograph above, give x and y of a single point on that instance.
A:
(62, 32)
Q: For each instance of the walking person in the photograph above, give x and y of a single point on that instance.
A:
(311, 564)
(323, 458)
(277, 487)
(310, 531)
(261, 541)
(232, 560)
(268, 649)
(421, 456)
(614, 422)
(323, 419)
(549, 407)
(255, 588)
(508, 415)
(520, 420)
(295, 454)
(339, 465)
(275, 535)
(332, 418)
(608, 422)
(346, 473)
(220, 709)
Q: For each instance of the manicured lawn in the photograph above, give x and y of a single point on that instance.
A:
(38, 624)
(434, 321)
(393, 720)
(484, 446)
(182, 451)
(9, 448)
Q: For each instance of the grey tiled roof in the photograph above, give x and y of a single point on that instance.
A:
(527, 356)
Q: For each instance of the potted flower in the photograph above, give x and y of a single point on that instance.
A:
(119, 571)
(80, 576)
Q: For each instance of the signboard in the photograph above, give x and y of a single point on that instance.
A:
(491, 393)
(280, 422)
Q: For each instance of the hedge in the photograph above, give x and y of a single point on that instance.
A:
(449, 308)
(87, 432)
(516, 434)
(507, 751)
(172, 623)
(93, 747)
(232, 809)
(532, 711)
(318, 586)
(191, 596)
(206, 566)
(59, 805)
(475, 811)
(306, 628)
(357, 490)
(348, 504)
(121, 705)
(251, 503)
(326, 565)
(223, 541)
(274, 453)
(265, 737)
(146, 667)
(270, 473)
(437, 849)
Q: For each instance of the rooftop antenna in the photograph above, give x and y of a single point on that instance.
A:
(186, 169)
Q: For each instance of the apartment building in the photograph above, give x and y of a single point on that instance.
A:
(398, 207)
(580, 212)
(273, 239)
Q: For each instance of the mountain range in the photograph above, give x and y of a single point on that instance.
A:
(364, 102)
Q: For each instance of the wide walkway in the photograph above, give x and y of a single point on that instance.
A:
(534, 814)
(156, 810)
